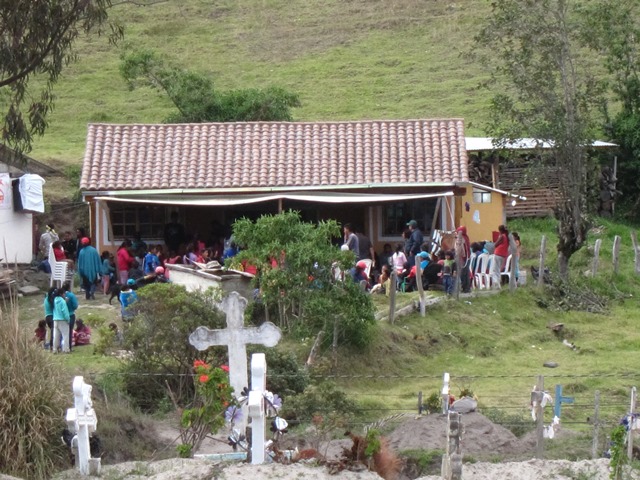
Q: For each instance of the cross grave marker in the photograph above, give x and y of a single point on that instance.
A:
(257, 408)
(236, 337)
(82, 421)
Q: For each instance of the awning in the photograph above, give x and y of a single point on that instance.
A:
(476, 144)
(314, 197)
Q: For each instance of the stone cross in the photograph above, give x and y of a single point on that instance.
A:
(236, 337)
(257, 411)
(445, 393)
(82, 421)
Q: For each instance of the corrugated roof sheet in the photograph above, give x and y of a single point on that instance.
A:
(260, 155)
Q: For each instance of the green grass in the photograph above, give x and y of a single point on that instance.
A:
(363, 59)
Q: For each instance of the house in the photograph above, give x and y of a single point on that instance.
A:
(20, 197)
(375, 174)
(522, 172)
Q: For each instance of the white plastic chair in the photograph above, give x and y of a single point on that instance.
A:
(60, 272)
(481, 277)
(508, 269)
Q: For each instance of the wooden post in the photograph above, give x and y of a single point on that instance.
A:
(420, 402)
(539, 418)
(423, 300)
(392, 294)
(435, 216)
(596, 257)
(459, 248)
(636, 252)
(513, 251)
(596, 426)
(314, 350)
(632, 409)
(616, 253)
(543, 254)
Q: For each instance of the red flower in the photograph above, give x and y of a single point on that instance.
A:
(203, 378)
(198, 363)
(225, 368)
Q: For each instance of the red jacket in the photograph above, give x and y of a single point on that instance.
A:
(125, 260)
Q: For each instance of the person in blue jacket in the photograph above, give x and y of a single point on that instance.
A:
(127, 298)
(89, 268)
(60, 321)
(48, 317)
(72, 305)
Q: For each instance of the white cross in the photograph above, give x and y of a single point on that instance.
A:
(256, 407)
(236, 337)
(82, 421)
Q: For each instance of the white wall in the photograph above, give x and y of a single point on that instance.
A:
(16, 236)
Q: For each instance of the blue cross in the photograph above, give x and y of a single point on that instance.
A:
(560, 400)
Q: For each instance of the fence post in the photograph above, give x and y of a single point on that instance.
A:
(543, 254)
(452, 458)
(596, 257)
(420, 402)
(423, 301)
(596, 426)
(616, 253)
(393, 285)
(632, 408)
(636, 253)
(539, 411)
(513, 251)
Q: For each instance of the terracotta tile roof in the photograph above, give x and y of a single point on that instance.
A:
(271, 154)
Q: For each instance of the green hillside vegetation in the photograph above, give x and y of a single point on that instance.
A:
(361, 59)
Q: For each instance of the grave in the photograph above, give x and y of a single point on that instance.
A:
(256, 407)
(236, 337)
(82, 422)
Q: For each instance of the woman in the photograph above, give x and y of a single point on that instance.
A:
(500, 254)
(60, 321)
(125, 261)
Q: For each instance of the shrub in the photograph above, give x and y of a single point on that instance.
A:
(320, 400)
(34, 399)
(158, 338)
(284, 374)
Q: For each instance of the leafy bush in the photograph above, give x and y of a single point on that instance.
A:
(34, 399)
(158, 338)
(320, 400)
(518, 423)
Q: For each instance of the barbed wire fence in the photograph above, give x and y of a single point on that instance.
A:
(591, 413)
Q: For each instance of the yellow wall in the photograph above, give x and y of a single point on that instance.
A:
(487, 219)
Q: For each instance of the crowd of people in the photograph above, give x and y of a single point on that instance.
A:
(438, 265)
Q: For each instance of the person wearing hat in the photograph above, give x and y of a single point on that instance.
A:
(127, 298)
(46, 239)
(82, 334)
(89, 268)
(359, 274)
(412, 248)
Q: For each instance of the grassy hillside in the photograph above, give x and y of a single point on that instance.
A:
(348, 60)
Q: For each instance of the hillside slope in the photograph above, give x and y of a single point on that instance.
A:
(356, 59)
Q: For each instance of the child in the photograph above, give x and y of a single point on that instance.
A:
(151, 260)
(40, 333)
(82, 334)
(127, 298)
(72, 305)
(447, 272)
(399, 259)
(60, 321)
(117, 334)
(108, 271)
(384, 281)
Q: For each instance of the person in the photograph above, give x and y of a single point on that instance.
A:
(48, 317)
(447, 272)
(160, 275)
(365, 248)
(117, 334)
(82, 334)
(61, 337)
(80, 234)
(384, 282)
(411, 276)
(40, 333)
(192, 254)
(108, 271)
(69, 245)
(125, 261)
(46, 239)
(173, 234)
(386, 256)
(358, 274)
(516, 263)
(89, 268)
(138, 245)
(231, 250)
(151, 260)
(351, 241)
(127, 298)
(500, 254)
(414, 243)
(72, 305)
(399, 259)
(59, 254)
(465, 259)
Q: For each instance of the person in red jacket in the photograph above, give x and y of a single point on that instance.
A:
(500, 254)
(125, 261)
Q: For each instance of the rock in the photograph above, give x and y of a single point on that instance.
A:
(29, 290)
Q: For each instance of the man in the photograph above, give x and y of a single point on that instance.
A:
(465, 254)
(351, 241)
(173, 234)
(89, 268)
(365, 248)
(46, 239)
(413, 246)
(69, 245)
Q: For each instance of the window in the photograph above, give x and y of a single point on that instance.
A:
(481, 196)
(126, 220)
(396, 215)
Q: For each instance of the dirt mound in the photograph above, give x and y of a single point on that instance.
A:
(480, 435)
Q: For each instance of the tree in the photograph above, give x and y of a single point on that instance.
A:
(36, 41)
(613, 32)
(194, 96)
(547, 92)
(296, 264)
